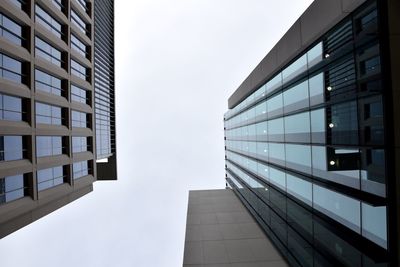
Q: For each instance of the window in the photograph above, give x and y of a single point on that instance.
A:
(51, 177)
(318, 125)
(80, 23)
(277, 153)
(79, 70)
(12, 188)
(79, 46)
(275, 105)
(262, 131)
(10, 69)
(22, 4)
(48, 83)
(49, 114)
(296, 97)
(274, 83)
(343, 123)
(298, 157)
(297, 128)
(10, 30)
(79, 119)
(277, 177)
(337, 206)
(295, 68)
(48, 21)
(262, 150)
(49, 146)
(58, 4)
(84, 5)
(261, 111)
(339, 165)
(80, 169)
(299, 188)
(48, 52)
(79, 144)
(374, 226)
(10, 108)
(316, 87)
(275, 130)
(314, 55)
(79, 95)
(11, 148)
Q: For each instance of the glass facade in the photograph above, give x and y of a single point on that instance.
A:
(48, 83)
(80, 71)
(306, 148)
(49, 114)
(80, 23)
(10, 69)
(79, 46)
(79, 119)
(80, 144)
(11, 30)
(48, 52)
(49, 146)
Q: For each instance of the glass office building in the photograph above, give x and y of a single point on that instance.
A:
(309, 148)
(47, 106)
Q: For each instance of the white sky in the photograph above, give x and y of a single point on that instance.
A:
(177, 62)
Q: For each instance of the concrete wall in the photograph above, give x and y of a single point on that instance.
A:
(221, 232)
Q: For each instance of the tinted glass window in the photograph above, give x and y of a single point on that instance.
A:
(10, 30)
(48, 83)
(337, 206)
(11, 148)
(297, 128)
(51, 177)
(12, 188)
(296, 97)
(10, 69)
(10, 108)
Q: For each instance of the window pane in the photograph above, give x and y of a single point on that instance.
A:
(337, 206)
(296, 97)
(298, 157)
(374, 224)
(299, 188)
(297, 128)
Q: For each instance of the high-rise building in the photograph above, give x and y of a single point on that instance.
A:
(57, 119)
(312, 137)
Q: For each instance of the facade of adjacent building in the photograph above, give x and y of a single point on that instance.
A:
(56, 99)
(221, 232)
(312, 137)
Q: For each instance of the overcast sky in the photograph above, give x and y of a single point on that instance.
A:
(177, 62)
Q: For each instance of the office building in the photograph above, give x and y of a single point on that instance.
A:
(312, 137)
(221, 232)
(56, 103)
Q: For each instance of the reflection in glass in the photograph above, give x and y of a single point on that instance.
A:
(294, 69)
(297, 128)
(316, 87)
(337, 206)
(374, 224)
(296, 97)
